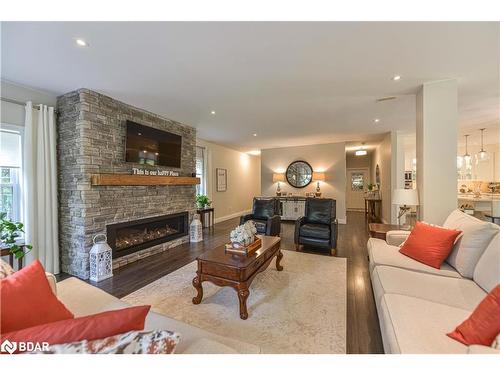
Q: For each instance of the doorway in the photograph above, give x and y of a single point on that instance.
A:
(357, 179)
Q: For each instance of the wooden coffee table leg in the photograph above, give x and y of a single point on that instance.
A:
(243, 294)
(199, 289)
(279, 256)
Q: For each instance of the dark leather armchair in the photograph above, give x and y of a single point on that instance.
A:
(264, 215)
(319, 225)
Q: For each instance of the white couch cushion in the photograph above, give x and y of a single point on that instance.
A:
(412, 325)
(84, 299)
(381, 253)
(461, 293)
(487, 271)
(470, 246)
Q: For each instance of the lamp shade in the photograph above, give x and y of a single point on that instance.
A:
(278, 177)
(403, 197)
(318, 176)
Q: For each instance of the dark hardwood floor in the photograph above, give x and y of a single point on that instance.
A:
(363, 332)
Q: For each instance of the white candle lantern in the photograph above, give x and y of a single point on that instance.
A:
(101, 262)
(195, 229)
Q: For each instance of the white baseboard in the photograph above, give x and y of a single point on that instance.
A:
(232, 216)
(342, 221)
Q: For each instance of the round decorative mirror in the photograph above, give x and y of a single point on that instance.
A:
(299, 174)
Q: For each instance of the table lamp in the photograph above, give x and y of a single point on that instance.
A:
(404, 198)
(318, 176)
(278, 177)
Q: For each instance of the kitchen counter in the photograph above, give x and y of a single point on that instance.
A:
(484, 197)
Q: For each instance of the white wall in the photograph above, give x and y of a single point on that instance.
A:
(243, 180)
(13, 113)
(329, 158)
(382, 157)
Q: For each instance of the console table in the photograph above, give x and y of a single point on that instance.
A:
(6, 252)
(373, 208)
(203, 212)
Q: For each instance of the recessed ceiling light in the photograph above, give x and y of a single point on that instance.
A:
(396, 78)
(255, 134)
(376, 120)
(82, 43)
(139, 133)
(213, 112)
(360, 152)
(254, 152)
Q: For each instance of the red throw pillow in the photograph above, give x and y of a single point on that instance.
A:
(429, 244)
(483, 325)
(26, 300)
(92, 327)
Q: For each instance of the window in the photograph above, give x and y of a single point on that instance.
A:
(357, 181)
(201, 170)
(10, 171)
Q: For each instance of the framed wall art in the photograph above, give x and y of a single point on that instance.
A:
(221, 179)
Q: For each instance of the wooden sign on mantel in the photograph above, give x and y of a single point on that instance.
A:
(149, 172)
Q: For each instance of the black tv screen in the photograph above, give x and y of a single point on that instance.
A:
(149, 146)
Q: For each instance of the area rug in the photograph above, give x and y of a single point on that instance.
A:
(301, 309)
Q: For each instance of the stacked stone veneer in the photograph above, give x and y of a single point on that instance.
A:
(91, 139)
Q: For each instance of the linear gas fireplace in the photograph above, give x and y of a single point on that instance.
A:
(127, 238)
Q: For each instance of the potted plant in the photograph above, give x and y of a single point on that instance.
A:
(9, 232)
(202, 201)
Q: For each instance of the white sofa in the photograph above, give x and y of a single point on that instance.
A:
(84, 299)
(417, 304)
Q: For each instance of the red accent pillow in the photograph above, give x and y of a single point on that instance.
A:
(483, 325)
(92, 327)
(26, 300)
(429, 244)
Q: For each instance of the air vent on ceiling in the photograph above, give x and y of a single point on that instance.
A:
(385, 98)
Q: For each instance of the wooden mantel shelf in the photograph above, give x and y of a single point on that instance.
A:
(140, 180)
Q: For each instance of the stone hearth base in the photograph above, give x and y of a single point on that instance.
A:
(141, 254)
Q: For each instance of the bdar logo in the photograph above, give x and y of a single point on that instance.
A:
(9, 347)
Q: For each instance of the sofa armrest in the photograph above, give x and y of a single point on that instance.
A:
(52, 282)
(396, 237)
(245, 218)
(298, 223)
(273, 226)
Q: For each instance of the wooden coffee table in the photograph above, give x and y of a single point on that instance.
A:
(236, 271)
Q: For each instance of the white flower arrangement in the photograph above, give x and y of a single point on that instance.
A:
(243, 235)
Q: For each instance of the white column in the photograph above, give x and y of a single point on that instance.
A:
(437, 128)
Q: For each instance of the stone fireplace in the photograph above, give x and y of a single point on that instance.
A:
(91, 140)
(132, 236)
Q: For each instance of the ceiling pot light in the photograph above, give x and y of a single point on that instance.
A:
(81, 42)
(483, 155)
(213, 112)
(255, 134)
(376, 120)
(396, 78)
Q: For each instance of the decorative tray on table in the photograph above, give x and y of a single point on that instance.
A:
(234, 248)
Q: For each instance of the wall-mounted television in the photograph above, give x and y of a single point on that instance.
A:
(149, 146)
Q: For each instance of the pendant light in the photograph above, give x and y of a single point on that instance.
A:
(467, 157)
(483, 155)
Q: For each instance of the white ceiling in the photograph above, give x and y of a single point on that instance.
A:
(291, 83)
